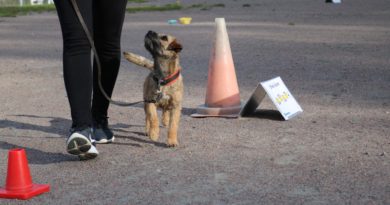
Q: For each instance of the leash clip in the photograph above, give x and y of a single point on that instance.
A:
(159, 95)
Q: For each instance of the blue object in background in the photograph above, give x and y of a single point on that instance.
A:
(172, 21)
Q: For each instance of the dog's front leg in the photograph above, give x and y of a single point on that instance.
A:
(152, 124)
(174, 126)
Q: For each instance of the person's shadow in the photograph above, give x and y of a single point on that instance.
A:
(60, 126)
(57, 126)
(35, 156)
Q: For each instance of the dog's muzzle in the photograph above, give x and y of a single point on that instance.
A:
(152, 43)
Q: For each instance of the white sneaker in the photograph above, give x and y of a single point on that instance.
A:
(80, 143)
(90, 154)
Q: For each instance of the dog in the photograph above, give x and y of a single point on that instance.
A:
(163, 87)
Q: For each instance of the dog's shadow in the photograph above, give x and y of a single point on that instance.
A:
(124, 128)
(138, 139)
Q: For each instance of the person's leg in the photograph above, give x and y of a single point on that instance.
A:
(77, 60)
(108, 20)
(77, 76)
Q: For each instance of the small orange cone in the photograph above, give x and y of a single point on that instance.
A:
(19, 183)
(223, 95)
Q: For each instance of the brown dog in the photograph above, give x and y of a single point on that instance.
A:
(163, 88)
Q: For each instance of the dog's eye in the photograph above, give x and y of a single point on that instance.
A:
(164, 38)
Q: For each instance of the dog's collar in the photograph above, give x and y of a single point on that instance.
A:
(170, 79)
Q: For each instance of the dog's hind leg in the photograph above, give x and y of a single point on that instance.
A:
(165, 117)
(173, 126)
(147, 121)
(152, 124)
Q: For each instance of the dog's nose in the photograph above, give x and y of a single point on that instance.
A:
(151, 34)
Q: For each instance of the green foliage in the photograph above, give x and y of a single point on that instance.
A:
(12, 11)
(218, 5)
(166, 7)
(137, 1)
(205, 6)
(194, 6)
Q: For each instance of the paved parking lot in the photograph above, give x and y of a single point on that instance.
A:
(333, 58)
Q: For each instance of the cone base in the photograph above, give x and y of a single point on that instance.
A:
(25, 194)
(226, 112)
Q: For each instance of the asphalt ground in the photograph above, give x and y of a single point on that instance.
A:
(335, 59)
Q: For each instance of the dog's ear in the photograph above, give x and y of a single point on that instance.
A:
(175, 46)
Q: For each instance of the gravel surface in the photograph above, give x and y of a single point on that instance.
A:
(335, 59)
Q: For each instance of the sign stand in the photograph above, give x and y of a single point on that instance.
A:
(333, 1)
(280, 96)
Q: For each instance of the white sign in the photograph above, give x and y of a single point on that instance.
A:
(280, 96)
(333, 1)
(36, 2)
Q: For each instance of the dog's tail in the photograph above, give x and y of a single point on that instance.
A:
(139, 60)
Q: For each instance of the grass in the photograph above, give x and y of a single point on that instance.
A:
(205, 7)
(137, 1)
(12, 11)
(166, 7)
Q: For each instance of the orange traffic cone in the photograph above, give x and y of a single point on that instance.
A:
(19, 184)
(223, 95)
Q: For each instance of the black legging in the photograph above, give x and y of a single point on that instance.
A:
(104, 19)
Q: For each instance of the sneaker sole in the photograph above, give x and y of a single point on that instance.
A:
(91, 154)
(105, 141)
(87, 156)
(78, 144)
